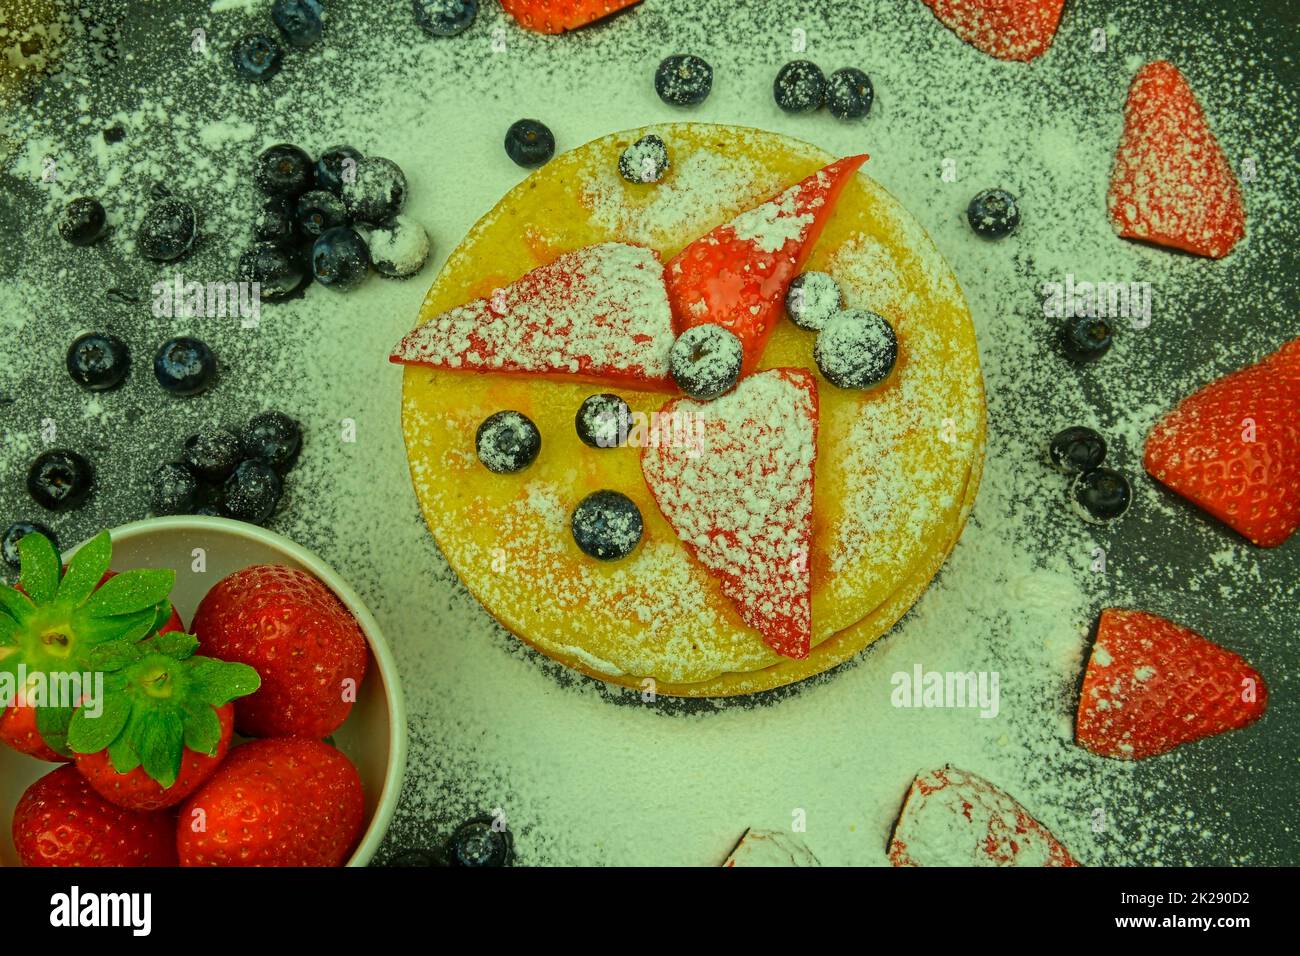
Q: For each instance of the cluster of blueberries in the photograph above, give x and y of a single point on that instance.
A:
(479, 842)
(800, 86)
(258, 56)
(1098, 494)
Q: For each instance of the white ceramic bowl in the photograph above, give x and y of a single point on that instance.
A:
(374, 736)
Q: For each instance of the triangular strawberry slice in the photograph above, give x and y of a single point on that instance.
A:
(1006, 29)
(557, 16)
(600, 313)
(736, 276)
(1152, 685)
(1172, 184)
(739, 494)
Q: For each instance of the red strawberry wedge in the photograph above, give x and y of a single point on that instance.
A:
(1172, 184)
(736, 276)
(1152, 685)
(557, 16)
(1005, 29)
(599, 314)
(740, 497)
(952, 817)
(1233, 448)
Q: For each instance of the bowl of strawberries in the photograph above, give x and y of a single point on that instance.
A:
(193, 691)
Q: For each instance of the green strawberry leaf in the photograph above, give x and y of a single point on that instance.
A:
(52, 723)
(40, 567)
(129, 592)
(219, 682)
(16, 604)
(160, 743)
(122, 755)
(8, 628)
(85, 570)
(92, 630)
(203, 730)
(113, 655)
(90, 734)
(162, 615)
(174, 644)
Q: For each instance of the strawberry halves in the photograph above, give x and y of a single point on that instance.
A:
(1006, 29)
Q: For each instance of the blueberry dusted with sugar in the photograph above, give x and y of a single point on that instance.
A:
(683, 80)
(1086, 338)
(274, 438)
(477, 843)
(993, 213)
(212, 453)
(336, 166)
(340, 259)
(60, 479)
(173, 490)
(184, 366)
(256, 57)
(811, 299)
(1076, 450)
(507, 442)
(645, 161)
(98, 361)
(606, 525)
(299, 21)
(849, 94)
(799, 87)
(15, 533)
(167, 231)
(319, 210)
(376, 192)
(1100, 495)
(398, 248)
(278, 270)
(275, 221)
(705, 361)
(529, 143)
(603, 420)
(856, 349)
(252, 492)
(82, 221)
(283, 170)
(444, 18)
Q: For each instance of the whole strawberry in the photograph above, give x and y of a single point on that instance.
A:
(60, 821)
(304, 643)
(281, 802)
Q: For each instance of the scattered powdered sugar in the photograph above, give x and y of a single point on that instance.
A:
(772, 224)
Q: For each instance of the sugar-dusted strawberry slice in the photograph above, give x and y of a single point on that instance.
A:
(952, 817)
(556, 16)
(736, 276)
(1233, 448)
(600, 313)
(740, 494)
(1172, 184)
(1152, 685)
(1006, 29)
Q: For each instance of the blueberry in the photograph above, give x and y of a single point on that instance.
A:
(256, 57)
(529, 143)
(478, 843)
(283, 170)
(60, 479)
(856, 349)
(683, 80)
(799, 87)
(299, 21)
(275, 221)
(252, 491)
(444, 18)
(645, 161)
(184, 366)
(340, 258)
(167, 231)
(811, 299)
(705, 361)
(82, 221)
(273, 438)
(507, 442)
(173, 490)
(98, 361)
(1100, 495)
(336, 166)
(1076, 450)
(15, 533)
(278, 270)
(398, 248)
(849, 94)
(208, 511)
(602, 421)
(212, 453)
(606, 525)
(1086, 339)
(377, 190)
(319, 210)
(993, 213)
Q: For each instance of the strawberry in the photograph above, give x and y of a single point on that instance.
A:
(1172, 184)
(736, 275)
(739, 493)
(952, 817)
(1006, 29)
(770, 848)
(1152, 685)
(1233, 448)
(599, 314)
(557, 16)
(281, 802)
(61, 821)
(304, 643)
